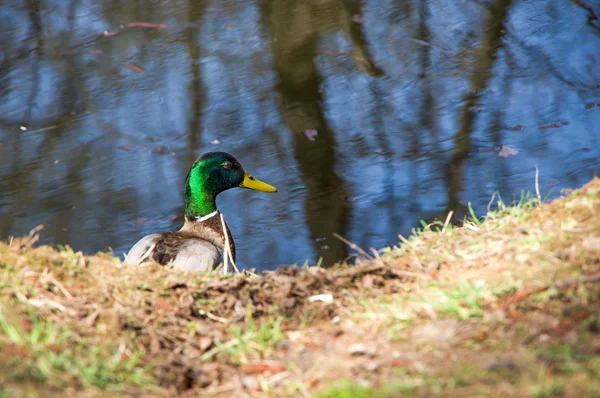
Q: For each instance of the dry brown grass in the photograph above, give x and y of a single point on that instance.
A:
(508, 306)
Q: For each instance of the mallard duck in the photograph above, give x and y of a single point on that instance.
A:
(200, 245)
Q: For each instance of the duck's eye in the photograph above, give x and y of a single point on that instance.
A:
(227, 164)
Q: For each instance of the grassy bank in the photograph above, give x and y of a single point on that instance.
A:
(507, 306)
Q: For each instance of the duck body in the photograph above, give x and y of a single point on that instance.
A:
(198, 246)
(201, 243)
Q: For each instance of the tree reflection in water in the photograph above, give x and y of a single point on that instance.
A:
(410, 101)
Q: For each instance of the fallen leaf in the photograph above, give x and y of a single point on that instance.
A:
(108, 33)
(312, 382)
(325, 298)
(250, 383)
(356, 19)
(154, 344)
(161, 150)
(177, 285)
(151, 138)
(400, 363)
(161, 304)
(311, 134)
(25, 324)
(126, 147)
(367, 281)
(95, 52)
(361, 349)
(14, 350)
(506, 152)
(134, 68)
(262, 367)
(174, 217)
(592, 243)
(485, 150)
(517, 127)
(373, 366)
(436, 332)
(552, 126)
(204, 342)
(591, 105)
(503, 364)
(551, 182)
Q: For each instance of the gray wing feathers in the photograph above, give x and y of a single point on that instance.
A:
(140, 248)
(194, 255)
(198, 255)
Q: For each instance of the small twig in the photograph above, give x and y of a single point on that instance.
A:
(398, 273)
(108, 33)
(44, 302)
(448, 217)
(209, 354)
(33, 240)
(301, 388)
(403, 239)
(47, 277)
(276, 378)
(471, 227)
(41, 129)
(81, 259)
(428, 308)
(558, 284)
(213, 316)
(491, 201)
(377, 256)
(537, 186)
(33, 235)
(61, 287)
(416, 259)
(219, 389)
(216, 270)
(426, 44)
(227, 247)
(90, 320)
(50, 303)
(148, 252)
(146, 25)
(409, 274)
(120, 350)
(357, 271)
(225, 257)
(352, 245)
(12, 238)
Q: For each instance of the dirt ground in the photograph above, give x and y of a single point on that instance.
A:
(506, 306)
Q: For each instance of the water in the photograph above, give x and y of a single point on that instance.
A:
(366, 117)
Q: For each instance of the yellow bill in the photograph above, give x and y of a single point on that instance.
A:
(255, 184)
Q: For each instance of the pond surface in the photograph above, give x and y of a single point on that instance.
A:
(367, 116)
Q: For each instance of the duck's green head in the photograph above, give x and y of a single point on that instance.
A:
(211, 174)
